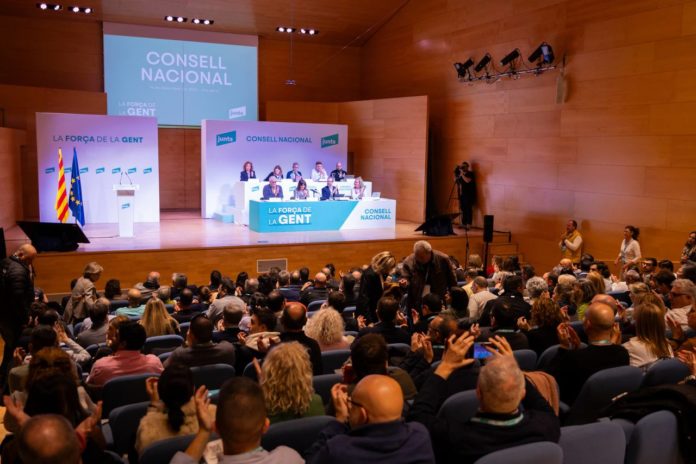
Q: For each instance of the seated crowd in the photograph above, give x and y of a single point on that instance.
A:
(414, 334)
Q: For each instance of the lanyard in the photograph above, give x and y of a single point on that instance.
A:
(498, 423)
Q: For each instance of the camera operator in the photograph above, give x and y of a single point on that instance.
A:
(466, 188)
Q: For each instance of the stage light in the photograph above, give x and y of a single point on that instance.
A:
(543, 51)
(75, 9)
(289, 30)
(313, 32)
(510, 57)
(169, 18)
(463, 68)
(303, 31)
(42, 6)
(180, 19)
(88, 10)
(196, 21)
(208, 22)
(483, 63)
(56, 7)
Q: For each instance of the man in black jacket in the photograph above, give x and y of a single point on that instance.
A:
(17, 285)
(500, 422)
(293, 320)
(513, 287)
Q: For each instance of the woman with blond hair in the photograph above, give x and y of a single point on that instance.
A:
(326, 327)
(650, 343)
(157, 320)
(372, 284)
(358, 190)
(598, 282)
(286, 381)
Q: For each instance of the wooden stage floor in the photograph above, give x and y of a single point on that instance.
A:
(184, 242)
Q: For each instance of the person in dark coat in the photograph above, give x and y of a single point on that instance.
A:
(369, 427)
(17, 286)
(294, 318)
(372, 284)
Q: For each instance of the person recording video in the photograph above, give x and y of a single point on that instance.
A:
(466, 189)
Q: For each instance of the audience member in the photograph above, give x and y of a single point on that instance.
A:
(293, 320)
(157, 320)
(172, 410)
(184, 308)
(650, 343)
(541, 333)
(387, 310)
(513, 288)
(150, 286)
(504, 319)
(458, 306)
(426, 267)
(432, 305)
(369, 427)
(241, 421)
(318, 291)
(84, 295)
(479, 298)
(112, 290)
(127, 358)
(500, 421)
(48, 439)
(573, 365)
(326, 327)
(135, 308)
(226, 295)
(96, 333)
(682, 297)
(200, 349)
(286, 380)
(372, 284)
(228, 327)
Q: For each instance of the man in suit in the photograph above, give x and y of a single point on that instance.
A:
(330, 191)
(272, 190)
(338, 174)
(295, 174)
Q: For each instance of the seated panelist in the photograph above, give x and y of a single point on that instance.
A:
(248, 172)
(339, 174)
(277, 173)
(358, 190)
(272, 190)
(295, 175)
(319, 173)
(301, 193)
(330, 191)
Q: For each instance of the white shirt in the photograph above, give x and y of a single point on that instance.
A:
(477, 302)
(680, 316)
(574, 245)
(629, 251)
(318, 176)
(639, 353)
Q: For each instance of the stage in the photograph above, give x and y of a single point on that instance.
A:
(184, 242)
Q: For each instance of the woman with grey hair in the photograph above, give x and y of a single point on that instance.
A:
(536, 286)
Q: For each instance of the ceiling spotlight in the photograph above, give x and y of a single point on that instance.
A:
(196, 21)
(207, 22)
(280, 29)
(56, 7)
(313, 32)
(88, 10)
(510, 57)
(463, 68)
(75, 9)
(43, 6)
(483, 63)
(169, 18)
(289, 30)
(180, 19)
(543, 54)
(303, 31)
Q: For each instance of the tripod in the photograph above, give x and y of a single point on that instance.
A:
(455, 193)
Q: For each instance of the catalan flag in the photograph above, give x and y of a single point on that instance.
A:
(61, 195)
(76, 207)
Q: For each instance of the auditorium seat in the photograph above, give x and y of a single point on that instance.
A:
(666, 371)
(184, 327)
(607, 439)
(459, 407)
(162, 343)
(298, 434)
(350, 310)
(212, 375)
(655, 439)
(315, 305)
(117, 304)
(162, 452)
(124, 390)
(92, 349)
(123, 423)
(598, 391)
(526, 359)
(332, 360)
(250, 371)
(544, 452)
(547, 356)
(323, 383)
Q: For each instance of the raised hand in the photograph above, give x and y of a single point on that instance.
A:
(676, 328)
(499, 346)
(522, 324)
(206, 421)
(455, 354)
(339, 398)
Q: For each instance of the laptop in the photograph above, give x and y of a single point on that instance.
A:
(376, 195)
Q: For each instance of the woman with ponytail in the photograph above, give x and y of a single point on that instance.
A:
(172, 411)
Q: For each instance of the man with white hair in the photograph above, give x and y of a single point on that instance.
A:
(682, 297)
(500, 422)
(535, 286)
(426, 271)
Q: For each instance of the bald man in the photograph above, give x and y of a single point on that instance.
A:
(293, 319)
(317, 291)
(17, 296)
(369, 427)
(135, 308)
(499, 423)
(573, 365)
(48, 439)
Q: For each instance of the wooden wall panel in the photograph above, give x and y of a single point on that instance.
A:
(620, 150)
(387, 140)
(11, 142)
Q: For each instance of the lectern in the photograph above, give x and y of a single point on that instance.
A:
(125, 199)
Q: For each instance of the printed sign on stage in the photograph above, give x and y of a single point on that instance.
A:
(299, 216)
(227, 145)
(110, 150)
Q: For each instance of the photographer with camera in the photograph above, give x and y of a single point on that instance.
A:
(466, 189)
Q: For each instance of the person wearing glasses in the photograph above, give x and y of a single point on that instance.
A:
(682, 297)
